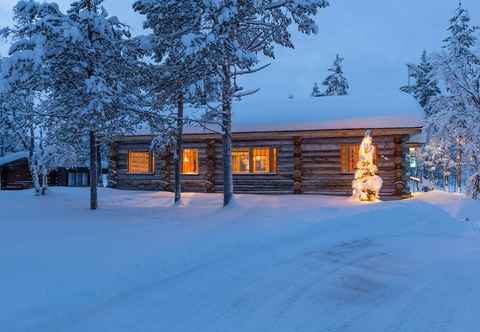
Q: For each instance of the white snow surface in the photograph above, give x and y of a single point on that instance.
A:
(11, 157)
(268, 263)
(253, 114)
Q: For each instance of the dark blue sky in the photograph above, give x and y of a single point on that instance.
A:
(376, 38)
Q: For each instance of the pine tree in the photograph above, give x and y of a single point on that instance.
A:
(426, 85)
(229, 37)
(336, 83)
(366, 185)
(455, 113)
(462, 34)
(89, 61)
(316, 90)
(177, 75)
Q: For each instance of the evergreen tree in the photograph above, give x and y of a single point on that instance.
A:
(426, 85)
(336, 83)
(92, 81)
(315, 90)
(80, 66)
(462, 34)
(229, 37)
(366, 184)
(177, 76)
(454, 116)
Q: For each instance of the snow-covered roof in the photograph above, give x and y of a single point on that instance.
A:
(255, 114)
(9, 158)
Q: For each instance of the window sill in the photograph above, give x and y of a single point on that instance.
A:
(251, 174)
(128, 173)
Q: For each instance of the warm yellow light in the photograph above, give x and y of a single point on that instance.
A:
(366, 184)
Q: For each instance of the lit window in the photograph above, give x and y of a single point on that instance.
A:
(254, 160)
(261, 160)
(140, 162)
(349, 157)
(241, 160)
(190, 161)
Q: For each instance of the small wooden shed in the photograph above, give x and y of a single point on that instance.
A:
(14, 171)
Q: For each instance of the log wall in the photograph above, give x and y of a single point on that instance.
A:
(305, 164)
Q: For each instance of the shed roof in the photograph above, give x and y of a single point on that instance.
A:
(12, 157)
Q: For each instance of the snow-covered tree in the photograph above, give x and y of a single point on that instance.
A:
(455, 114)
(13, 124)
(426, 85)
(366, 184)
(462, 38)
(177, 74)
(229, 36)
(316, 90)
(93, 89)
(22, 75)
(336, 83)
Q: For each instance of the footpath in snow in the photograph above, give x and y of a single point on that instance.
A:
(268, 263)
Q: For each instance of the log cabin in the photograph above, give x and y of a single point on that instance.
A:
(15, 174)
(14, 171)
(291, 157)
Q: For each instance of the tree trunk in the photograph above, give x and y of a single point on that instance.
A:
(99, 166)
(458, 160)
(445, 181)
(227, 137)
(93, 171)
(33, 164)
(475, 186)
(178, 150)
(44, 183)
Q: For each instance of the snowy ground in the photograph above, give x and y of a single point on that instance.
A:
(271, 263)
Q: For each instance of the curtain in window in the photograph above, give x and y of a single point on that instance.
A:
(349, 157)
(139, 162)
(241, 160)
(190, 161)
(261, 160)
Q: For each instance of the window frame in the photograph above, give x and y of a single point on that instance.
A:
(197, 164)
(151, 162)
(350, 160)
(272, 160)
(267, 156)
(248, 152)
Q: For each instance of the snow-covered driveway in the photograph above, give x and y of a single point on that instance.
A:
(270, 263)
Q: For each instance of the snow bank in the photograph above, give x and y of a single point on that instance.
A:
(271, 263)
